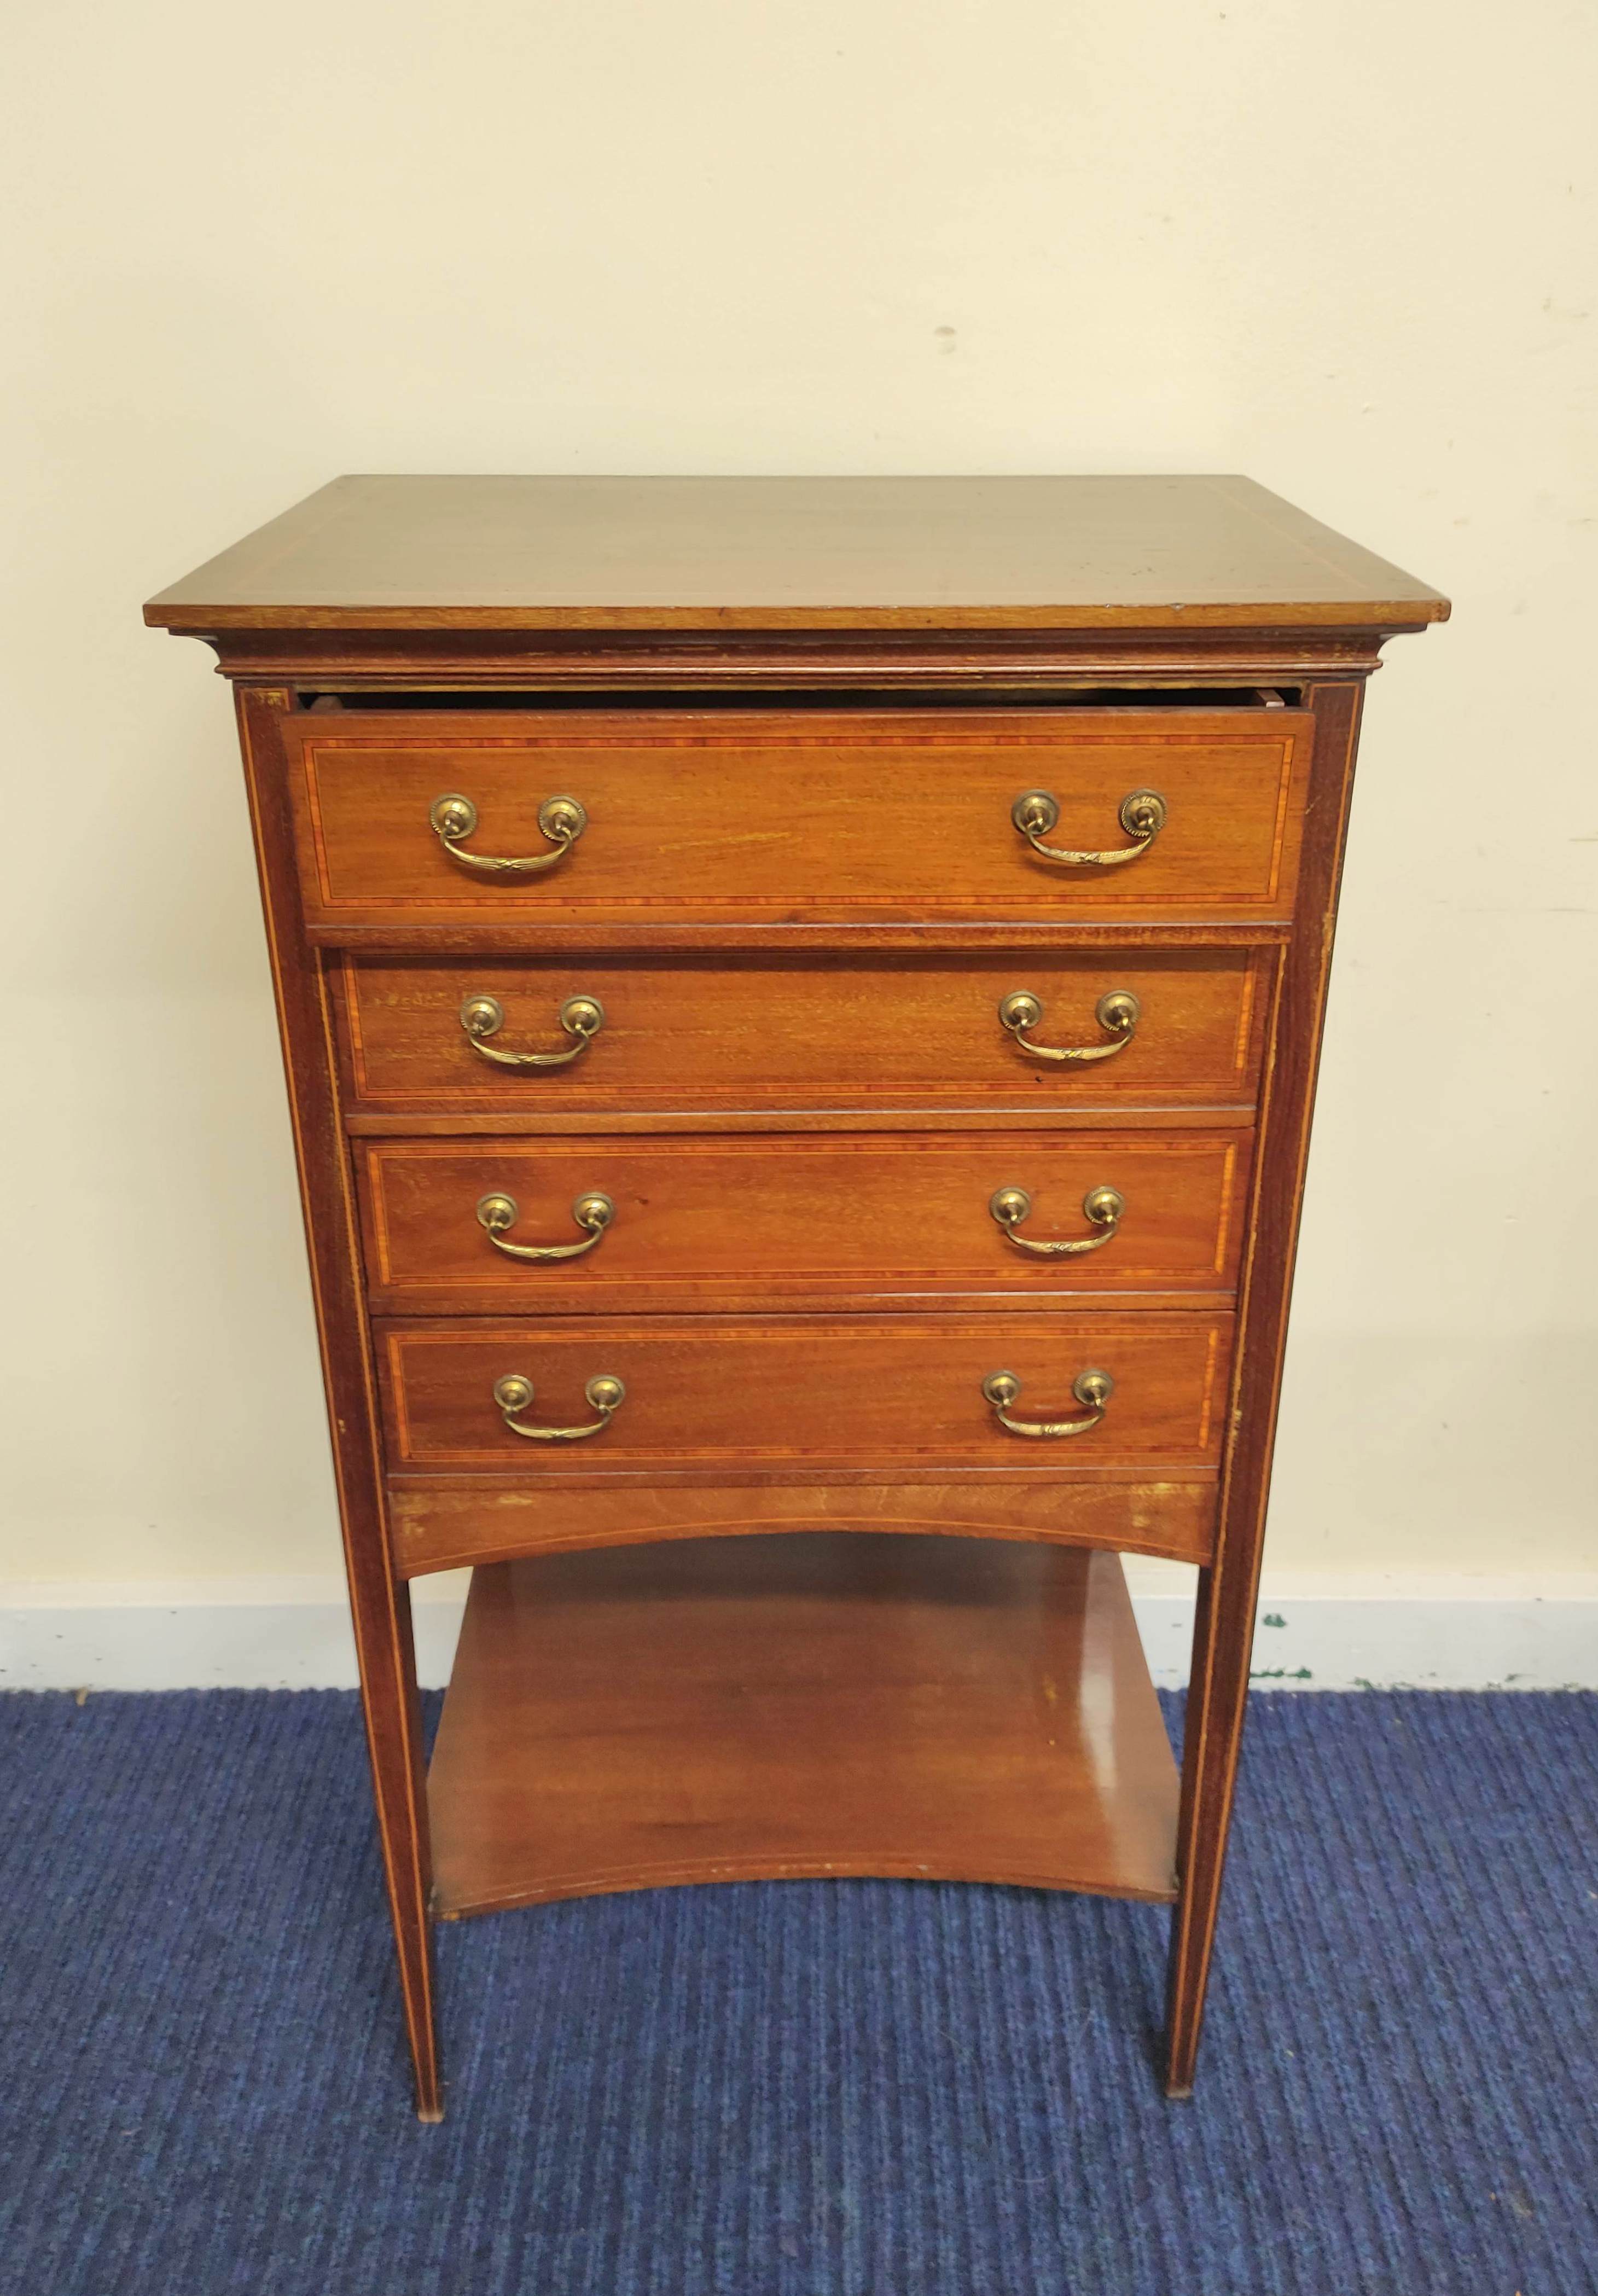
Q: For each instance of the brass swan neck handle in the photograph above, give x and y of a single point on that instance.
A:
(1092, 1388)
(1103, 1207)
(514, 1394)
(593, 1213)
(1143, 815)
(453, 817)
(482, 1017)
(1118, 1013)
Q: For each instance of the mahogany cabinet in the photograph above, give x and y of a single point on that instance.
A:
(801, 1002)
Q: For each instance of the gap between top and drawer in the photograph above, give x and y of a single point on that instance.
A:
(330, 700)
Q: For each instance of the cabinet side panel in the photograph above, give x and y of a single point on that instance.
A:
(379, 1603)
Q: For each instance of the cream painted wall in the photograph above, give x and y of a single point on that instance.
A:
(1346, 246)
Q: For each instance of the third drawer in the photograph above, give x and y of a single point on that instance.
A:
(731, 1221)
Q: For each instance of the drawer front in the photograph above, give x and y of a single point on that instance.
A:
(685, 1035)
(791, 1395)
(739, 1221)
(765, 817)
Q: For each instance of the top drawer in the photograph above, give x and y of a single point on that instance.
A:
(776, 817)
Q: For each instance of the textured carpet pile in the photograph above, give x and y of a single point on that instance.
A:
(798, 2090)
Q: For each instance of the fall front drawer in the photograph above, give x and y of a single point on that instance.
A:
(796, 1394)
(740, 817)
(617, 1035)
(581, 1224)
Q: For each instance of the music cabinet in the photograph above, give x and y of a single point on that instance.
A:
(800, 1001)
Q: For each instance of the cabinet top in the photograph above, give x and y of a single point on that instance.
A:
(717, 554)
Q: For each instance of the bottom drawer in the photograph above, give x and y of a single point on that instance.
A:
(790, 1396)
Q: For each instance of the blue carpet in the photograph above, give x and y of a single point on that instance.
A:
(800, 2089)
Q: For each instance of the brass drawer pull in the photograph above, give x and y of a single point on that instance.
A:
(482, 1017)
(1142, 816)
(1011, 1206)
(593, 1213)
(1117, 1011)
(561, 820)
(1093, 1388)
(514, 1393)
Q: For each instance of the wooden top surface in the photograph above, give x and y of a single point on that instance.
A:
(794, 554)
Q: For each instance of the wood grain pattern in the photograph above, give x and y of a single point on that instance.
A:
(442, 1523)
(710, 1222)
(855, 1038)
(773, 1708)
(718, 554)
(799, 1395)
(761, 815)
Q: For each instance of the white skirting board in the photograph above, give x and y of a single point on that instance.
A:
(1333, 1633)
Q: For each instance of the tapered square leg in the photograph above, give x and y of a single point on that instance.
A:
(393, 1713)
(1217, 1701)
(380, 1601)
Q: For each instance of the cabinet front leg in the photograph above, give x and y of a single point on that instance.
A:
(1223, 1628)
(1217, 1700)
(379, 1603)
(393, 1712)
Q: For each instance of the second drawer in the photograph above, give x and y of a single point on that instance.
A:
(660, 1038)
(739, 1222)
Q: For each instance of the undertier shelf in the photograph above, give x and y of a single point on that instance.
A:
(800, 1704)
